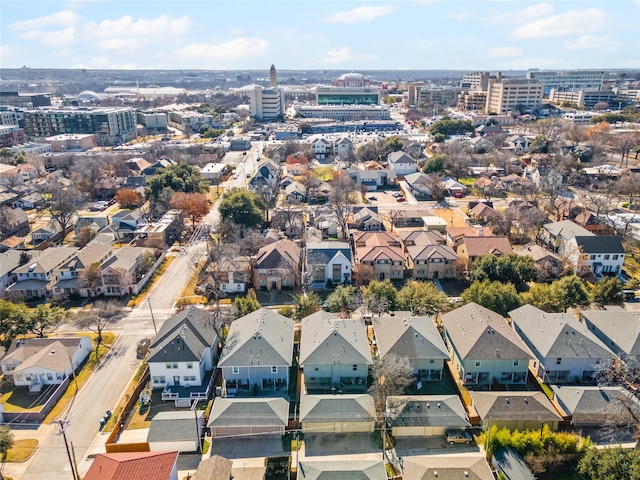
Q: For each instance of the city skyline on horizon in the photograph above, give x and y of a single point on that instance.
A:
(461, 35)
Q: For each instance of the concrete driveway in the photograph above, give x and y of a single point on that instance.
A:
(327, 444)
(248, 447)
(410, 446)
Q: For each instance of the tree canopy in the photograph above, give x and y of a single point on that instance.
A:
(380, 296)
(243, 207)
(610, 464)
(342, 300)
(447, 126)
(505, 268)
(496, 296)
(177, 178)
(422, 298)
(246, 305)
(607, 291)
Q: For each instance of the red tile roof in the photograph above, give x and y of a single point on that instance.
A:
(132, 465)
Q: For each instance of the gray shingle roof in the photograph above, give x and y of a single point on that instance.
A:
(173, 427)
(514, 406)
(566, 229)
(415, 338)
(557, 334)
(324, 252)
(50, 259)
(183, 337)
(623, 327)
(446, 467)
(337, 408)
(333, 341)
(249, 412)
(419, 252)
(481, 334)
(600, 244)
(261, 338)
(214, 468)
(595, 400)
(342, 470)
(427, 411)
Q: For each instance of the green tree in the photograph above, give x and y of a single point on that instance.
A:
(176, 178)
(243, 207)
(542, 296)
(610, 464)
(570, 292)
(13, 321)
(607, 291)
(342, 300)
(447, 126)
(496, 296)
(512, 268)
(393, 144)
(6, 442)
(380, 296)
(436, 164)
(439, 137)
(540, 144)
(45, 319)
(422, 298)
(306, 304)
(246, 305)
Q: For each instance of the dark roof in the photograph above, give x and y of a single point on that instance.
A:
(323, 252)
(337, 408)
(342, 470)
(333, 341)
(514, 406)
(427, 411)
(175, 426)
(512, 464)
(249, 412)
(600, 243)
(415, 338)
(183, 337)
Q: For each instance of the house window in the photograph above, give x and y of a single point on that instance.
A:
(59, 376)
(516, 363)
(274, 369)
(432, 360)
(158, 380)
(606, 257)
(189, 365)
(592, 257)
(615, 257)
(558, 361)
(169, 366)
(50, 376)
(189, 378)
(477, 363)
(235, 370)
(355, 368)
(316, 369)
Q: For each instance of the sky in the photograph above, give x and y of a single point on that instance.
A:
(320, 34)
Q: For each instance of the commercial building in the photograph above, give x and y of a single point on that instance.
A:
(71, 142)
(345, 113)
(25, 100)
(110, 125)
(11, 135)
(586, 99)
(153, 121)
(429, 94)
(347, 96)
(191, 121)
(264, 103)
(351, 79)
(508, 95)
(478, 80)
(588, 80)
(11, 116)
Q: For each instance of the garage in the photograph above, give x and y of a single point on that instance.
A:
(425, 415)
(236, 417)
(337, 413)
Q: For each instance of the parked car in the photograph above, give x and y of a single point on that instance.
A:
(143, 347)
(454, 435)
(400, 199)
(373, 198)
(396, 194)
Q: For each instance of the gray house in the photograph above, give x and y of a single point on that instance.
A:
(334, 353)
(565, 349)
(617, 329)
(515, 410)
(483, 347)
(425, 415)
(257, 354)
(337, 413)
(342, 469)
(414, 338)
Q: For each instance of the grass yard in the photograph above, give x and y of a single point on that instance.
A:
(188, 296)
(18, 399)
(632, 260)
(22, 449)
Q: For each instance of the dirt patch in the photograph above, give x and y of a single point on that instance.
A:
(453, 218)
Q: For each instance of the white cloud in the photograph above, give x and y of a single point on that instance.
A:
(521, 16)
(237, 48)
(344, 55)
(591, 42)
(360, 14)
(13, 55)
(162, 27)
(500, 52)
(63, 18)
(572, 22)
(459, 16)
(236, 31)
(56, 38)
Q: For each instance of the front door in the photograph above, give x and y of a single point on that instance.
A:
(381, 275)
(176, 380)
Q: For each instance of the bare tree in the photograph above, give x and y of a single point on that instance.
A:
(61, 203)
(391, 375)
(622, 144)
(99, 317)
(342, 200)
(391, 216)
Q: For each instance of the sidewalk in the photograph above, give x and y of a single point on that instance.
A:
(23, 432)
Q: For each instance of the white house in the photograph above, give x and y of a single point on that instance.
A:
(597, 253)
(328, 262)
(36, 362)
(183, 355)
(402, 163)
(344, 148)
(322, 148)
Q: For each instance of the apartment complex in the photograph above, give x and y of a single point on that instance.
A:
(508, 95)
(347, 96)
(110, 125)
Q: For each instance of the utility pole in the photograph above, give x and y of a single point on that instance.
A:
(63, 426)
(152, 317)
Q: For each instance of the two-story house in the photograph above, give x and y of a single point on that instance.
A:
(402, 163)
(328, 263)
(182, 355)
(277, 266)
(598, 254)
(483, 348)
(473, 247)
(556, 235)
(322, 148)
(428, 262)
(344, 148)
(415, 338)
(619, 330)
(32, 279)
(565, 349)
(74, 277)
(257, 354)
(120, 273)
(334, 353)
(381, 252)
(9, 262)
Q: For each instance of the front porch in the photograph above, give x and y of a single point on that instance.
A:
(190, 392)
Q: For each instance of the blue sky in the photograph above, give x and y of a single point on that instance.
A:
(315, 34)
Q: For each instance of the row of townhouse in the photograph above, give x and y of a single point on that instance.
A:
(91, 271)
